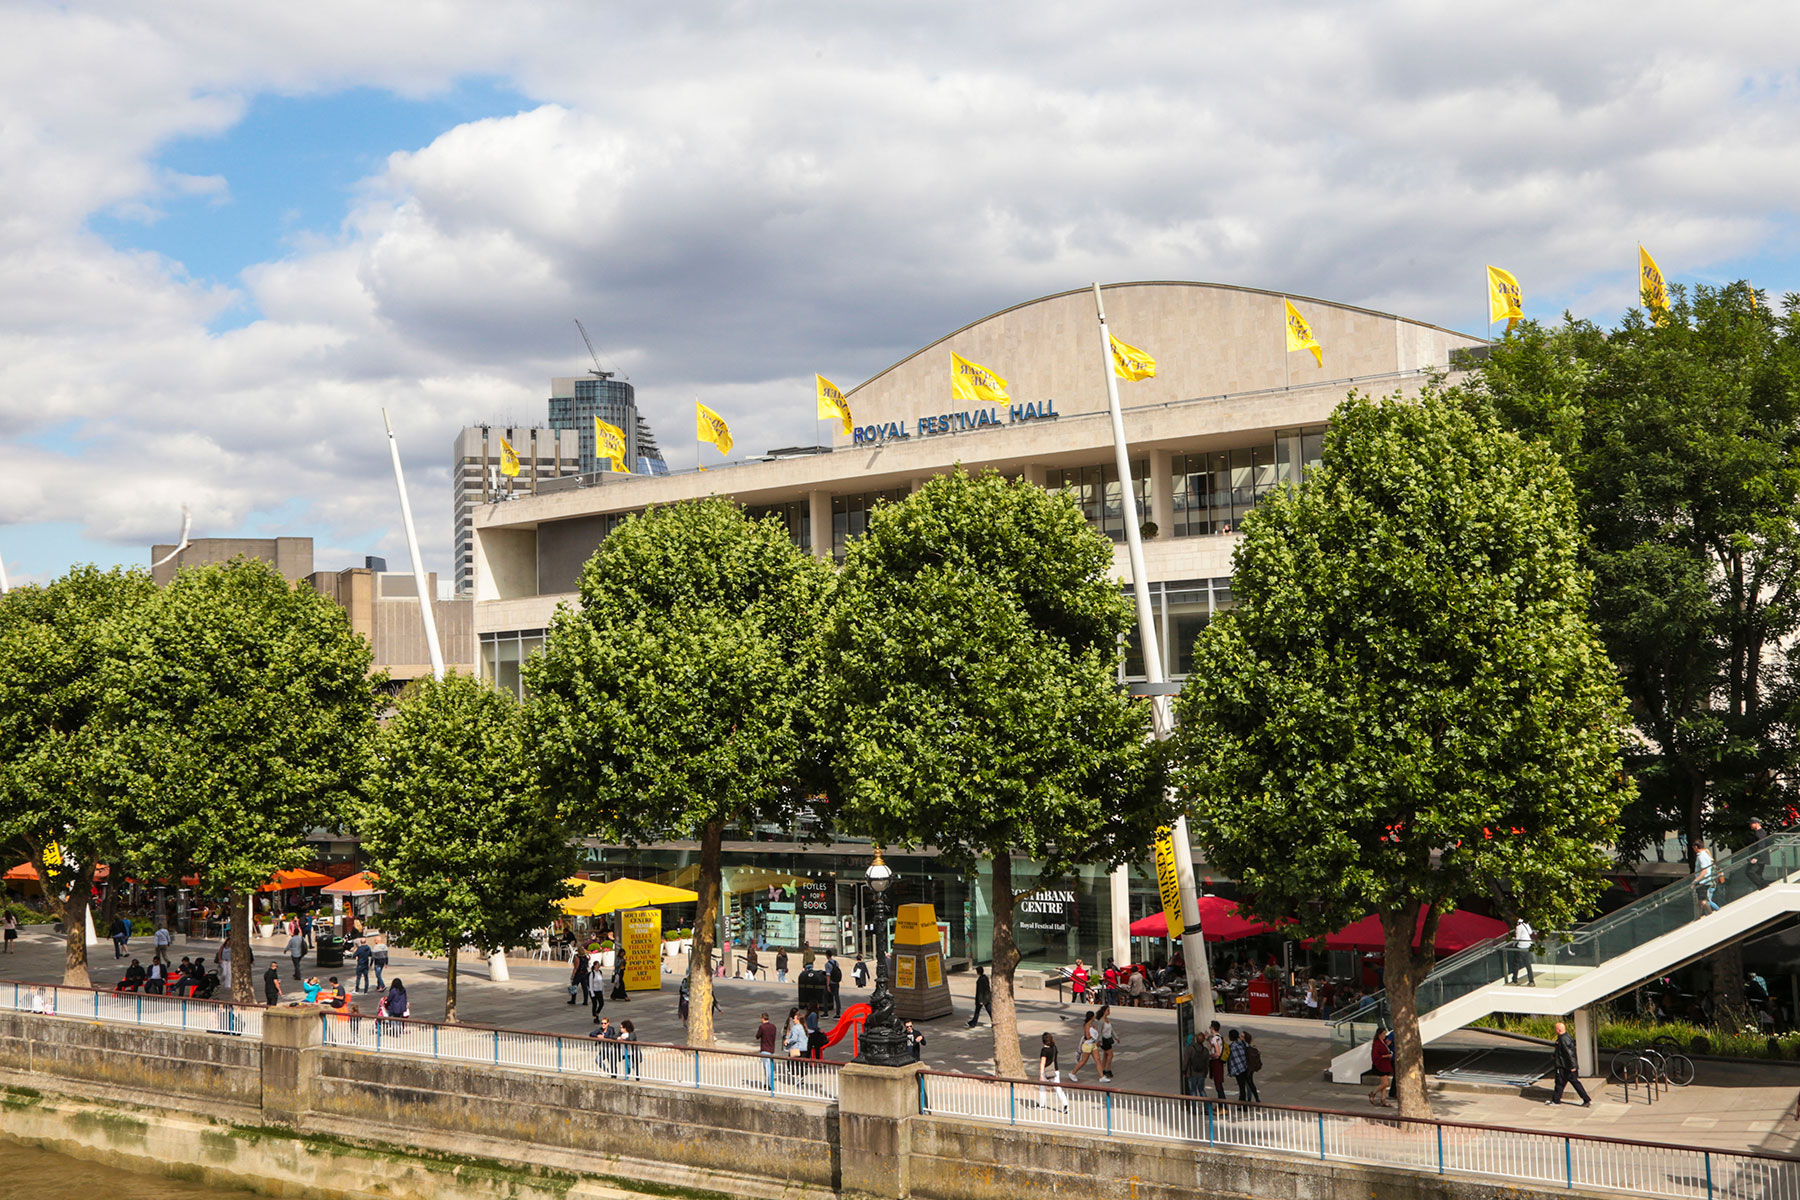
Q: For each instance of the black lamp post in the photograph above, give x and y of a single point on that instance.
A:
(883, 1040)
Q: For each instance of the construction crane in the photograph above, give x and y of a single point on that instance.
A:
(598, 372)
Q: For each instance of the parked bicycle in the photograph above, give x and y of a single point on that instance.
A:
(1657, 1062)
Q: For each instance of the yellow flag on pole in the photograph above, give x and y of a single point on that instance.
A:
(832, 405)
(1651, 285)
(975, 383)
(1168, 886)
(1300, 334)
(509, 460)
(1129, 362)
(609, 442)
(1504, 298)
(709, 426)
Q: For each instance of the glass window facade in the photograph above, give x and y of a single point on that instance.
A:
(1213, 492)
(503, 657)
(850, 515)
(1181, 609)
(795, 516)
(1101, 498)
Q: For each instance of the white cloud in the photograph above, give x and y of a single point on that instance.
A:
(734, 196)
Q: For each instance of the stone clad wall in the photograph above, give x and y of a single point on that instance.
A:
(202, 1068)
(755, 1144)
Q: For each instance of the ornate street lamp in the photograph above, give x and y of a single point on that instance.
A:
(883, 1040)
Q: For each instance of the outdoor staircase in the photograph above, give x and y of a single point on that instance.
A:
(1608, 956)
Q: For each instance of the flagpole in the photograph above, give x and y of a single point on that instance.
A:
(1287, 355)
(418, 561)
(1193, 944)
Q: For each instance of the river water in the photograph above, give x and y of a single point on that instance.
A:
(41, 1175)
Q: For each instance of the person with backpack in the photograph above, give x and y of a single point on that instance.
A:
(1215, 1058)
(1237, 1064)
(1252, 1064)
(834, 979)
(1194, 1066)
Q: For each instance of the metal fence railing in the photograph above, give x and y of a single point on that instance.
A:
(645, 1062)
(1439, 1147)
(133, 1008)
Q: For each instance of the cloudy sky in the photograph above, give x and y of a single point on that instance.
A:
(230, 232)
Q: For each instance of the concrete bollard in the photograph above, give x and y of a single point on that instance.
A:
(291, 1041)
(876, 1107)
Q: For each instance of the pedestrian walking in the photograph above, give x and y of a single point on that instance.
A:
(767, 1036)
(859, 972)
(272, 984)
(1108, 1040)
(1252, 1064)
(834, 980)
(1705, 879)
(1078, 981)
(1089, 1047)
(596, 986)
(222, 960)
(578, 978)
(1758, 862)
(1237, 1064)
(1194, 1065)
(296, 950)
(618, 979)
(11, 926)
(751, 966)
(118, 932)
(162, 937)
(627, 1052)
(397, 1003)
(984, 998)
(1523, 935)
(1047, 1073)
(1566, 1063)
(807, 954)
(381, 960)
(365, 958)
(1381, 1061)
(781, 965)
(1215, 1058)
(681, 998)
(796, 1037)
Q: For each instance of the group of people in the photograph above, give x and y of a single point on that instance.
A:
(1131, 985)
(331, 993)
(190, 978)
(616, 1053)
(1216, 1053)
(587, 977)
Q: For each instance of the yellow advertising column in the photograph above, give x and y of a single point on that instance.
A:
(920, 990)
(641, 941)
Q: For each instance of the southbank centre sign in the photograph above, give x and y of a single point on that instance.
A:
(954, 422)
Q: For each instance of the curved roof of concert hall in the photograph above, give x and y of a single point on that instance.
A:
(1209, 339)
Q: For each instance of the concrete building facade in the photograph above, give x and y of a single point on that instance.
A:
(292, 556)
(1229, 416)
(476, 479)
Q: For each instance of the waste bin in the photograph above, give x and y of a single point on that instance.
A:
(814, 988)
(329, 951)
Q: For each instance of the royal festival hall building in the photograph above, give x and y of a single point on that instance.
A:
(1230, 415)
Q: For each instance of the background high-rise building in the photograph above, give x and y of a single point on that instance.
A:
(475, 477)
(574, 403)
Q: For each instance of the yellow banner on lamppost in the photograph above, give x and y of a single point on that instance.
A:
(1166, 883)
(641, 942)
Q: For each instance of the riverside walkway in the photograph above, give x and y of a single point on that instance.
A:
(1733, 1106)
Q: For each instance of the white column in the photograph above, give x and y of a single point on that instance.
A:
(818, 507)
(1587, 1055)
(1162, 499)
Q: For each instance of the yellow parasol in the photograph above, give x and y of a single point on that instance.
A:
(598, 898)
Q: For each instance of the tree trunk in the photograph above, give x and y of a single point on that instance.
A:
(109, 904)
(450, 984)
(1405, 971)
(75, 971)
(1008, 1062)
(706, 923)
(1730, 1008)
(243, 962)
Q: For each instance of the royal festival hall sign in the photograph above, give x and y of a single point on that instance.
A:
(966, 421)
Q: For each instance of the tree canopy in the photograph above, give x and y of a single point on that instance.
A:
(679, 698)
(59, 646)
(974, 699)
(468, 849)
(245, 710)
(1409, 703)
(1682, 436)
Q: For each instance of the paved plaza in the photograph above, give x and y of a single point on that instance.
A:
(1730, 1106)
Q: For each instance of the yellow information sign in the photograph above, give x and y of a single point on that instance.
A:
(641, 937)
(915, 925)
(904, 977)
(1166, 882)
(934, 970)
